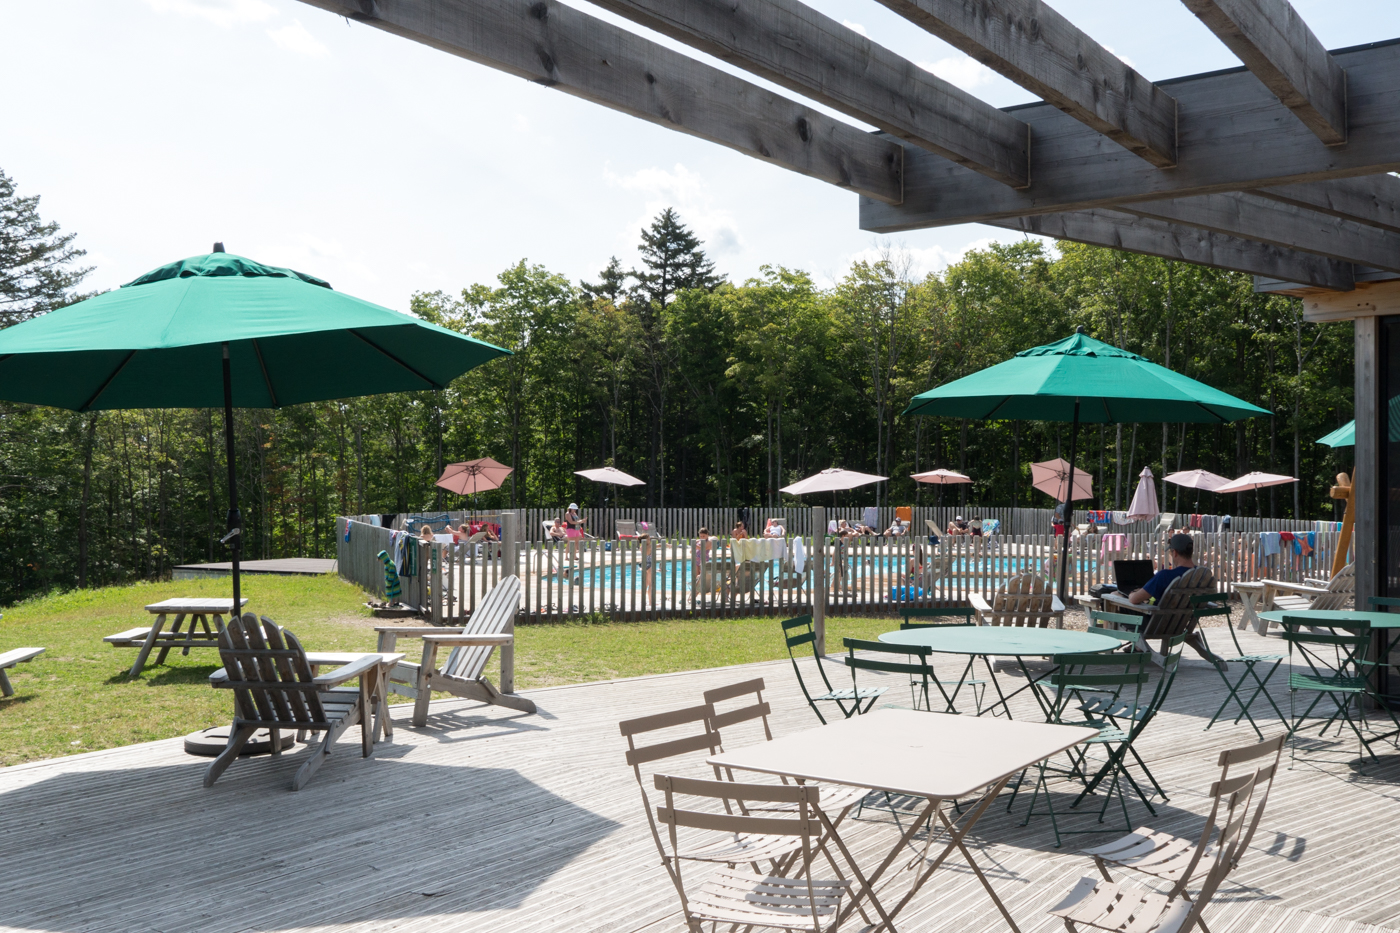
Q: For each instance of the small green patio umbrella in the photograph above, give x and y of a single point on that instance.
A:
(1080, 379)
(222, 330)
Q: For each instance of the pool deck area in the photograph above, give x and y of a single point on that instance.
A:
(491, 820)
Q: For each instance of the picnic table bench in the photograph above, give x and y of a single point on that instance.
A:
(10, 659)
(197, 609)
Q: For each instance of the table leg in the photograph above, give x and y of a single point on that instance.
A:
(956, 842)
(189, 632)
(145, 651)
(174, 630)
(1249, 613)
(868, 885)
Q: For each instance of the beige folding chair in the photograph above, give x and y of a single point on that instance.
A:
(1028, 600)
(836, 798)
(1183, 861)
(749, 898)
(693, 722)
(1104, 905)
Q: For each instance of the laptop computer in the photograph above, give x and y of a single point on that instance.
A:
(1130, 575)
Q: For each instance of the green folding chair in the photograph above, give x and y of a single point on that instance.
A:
(1344, 677)
(848, 701)
(1122, 677)
(1217, 604)
(949, 616)
(919, 671)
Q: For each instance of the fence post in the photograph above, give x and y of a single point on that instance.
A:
(819, 576)
(510, 566)
(435, 583)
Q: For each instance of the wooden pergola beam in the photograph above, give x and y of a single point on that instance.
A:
(1286, 225)
(1276, 44)
(1231, 139)
(559, 47)
(1188, 244)
(1372, 199)
(800, 49)
(1034, 46)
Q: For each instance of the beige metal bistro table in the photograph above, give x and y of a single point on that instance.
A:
(198, 609)
(931, 755)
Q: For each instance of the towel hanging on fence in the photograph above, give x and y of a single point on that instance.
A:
(799, 554)
(1209, 523)
(1268, 543)
(392, 589)
(397, 540)
(871, 518)
(1305, 542)
(347, 531)
(1121, 518)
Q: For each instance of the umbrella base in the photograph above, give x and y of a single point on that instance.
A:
(210, 743)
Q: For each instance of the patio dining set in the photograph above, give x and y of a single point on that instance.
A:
(1051, 709)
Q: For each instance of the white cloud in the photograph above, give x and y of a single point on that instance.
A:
(1123, 58)
(294, 38)
(222, 13)
(921, 261)
(855, 27)
(961, 71)
(687, 192)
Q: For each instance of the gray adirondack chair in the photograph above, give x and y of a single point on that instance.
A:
(273, 688)
(1174, 614)
(463, 673)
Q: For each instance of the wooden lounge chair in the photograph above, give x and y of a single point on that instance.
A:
(1028, 600)
(10, 659)
(273, 688)
(1175, 614)
(462, 674)
(1337, 594)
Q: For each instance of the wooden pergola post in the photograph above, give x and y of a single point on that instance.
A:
(510, 567)
(819, 576)
(1365, 483)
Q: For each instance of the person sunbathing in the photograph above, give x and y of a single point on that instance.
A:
(556, 531)
(425, 534)
(773, 529)
(896, 528)
(740, 532)
(959, 526)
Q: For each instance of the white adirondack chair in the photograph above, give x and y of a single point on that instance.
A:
(1336, 595)
(463, 673)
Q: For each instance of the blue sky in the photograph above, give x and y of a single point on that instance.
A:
(154, 127)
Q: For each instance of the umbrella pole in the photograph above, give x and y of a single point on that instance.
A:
(235, 521)
(1069, 503)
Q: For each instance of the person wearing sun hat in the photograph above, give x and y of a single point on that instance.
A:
(571, 517)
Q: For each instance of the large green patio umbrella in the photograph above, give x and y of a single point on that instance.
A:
(1080, 379)
(223, 330)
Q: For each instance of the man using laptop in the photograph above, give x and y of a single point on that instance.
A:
(1179, 550)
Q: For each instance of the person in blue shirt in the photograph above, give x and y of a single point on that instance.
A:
(1179, 550)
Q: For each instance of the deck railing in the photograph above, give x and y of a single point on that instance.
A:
(855, 576)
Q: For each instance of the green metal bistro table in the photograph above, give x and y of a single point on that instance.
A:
(988, 641)
(1386, 625)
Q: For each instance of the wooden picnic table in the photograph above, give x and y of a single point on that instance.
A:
(196, 609)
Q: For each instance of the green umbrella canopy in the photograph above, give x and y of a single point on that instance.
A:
(156, 342)
(1345, 436)
(1112, 385)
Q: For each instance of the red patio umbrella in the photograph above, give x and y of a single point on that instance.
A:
(474, 476)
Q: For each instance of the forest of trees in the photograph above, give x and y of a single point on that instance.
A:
(714, 391)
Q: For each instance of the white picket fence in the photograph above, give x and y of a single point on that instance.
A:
(677, 576)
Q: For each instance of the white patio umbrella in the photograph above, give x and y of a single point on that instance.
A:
(1144, 504)
(832, 480)
(1197, 480)
(940, 477)
(611, 476)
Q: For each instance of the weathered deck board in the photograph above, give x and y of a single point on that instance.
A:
(490, 820)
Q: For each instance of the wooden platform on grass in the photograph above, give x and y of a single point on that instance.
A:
(285, 566)
(492, 820)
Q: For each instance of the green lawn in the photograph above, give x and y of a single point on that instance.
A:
(76, 696)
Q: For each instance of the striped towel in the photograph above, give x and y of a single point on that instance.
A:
(391, 577)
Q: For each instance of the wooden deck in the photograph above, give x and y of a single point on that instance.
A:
(488, 820)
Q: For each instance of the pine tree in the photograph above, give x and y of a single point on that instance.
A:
(611, 285)
(673, 261)
(38, 270)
